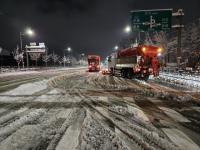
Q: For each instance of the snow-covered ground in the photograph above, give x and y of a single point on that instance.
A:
(81, 110)
(17, 73)
(23, 90)
(12, 72)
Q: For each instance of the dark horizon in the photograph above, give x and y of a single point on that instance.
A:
(89, 26)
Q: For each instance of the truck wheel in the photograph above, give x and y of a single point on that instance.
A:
(146, 77)
(123, 73)
(129, 74)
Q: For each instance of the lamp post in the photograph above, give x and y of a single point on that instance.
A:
(69, 49)
(82, 59)
(28, 32)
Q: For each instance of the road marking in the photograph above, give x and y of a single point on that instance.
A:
(180, 139)
(174, 114)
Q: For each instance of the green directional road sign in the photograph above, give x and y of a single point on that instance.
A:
(151, 20)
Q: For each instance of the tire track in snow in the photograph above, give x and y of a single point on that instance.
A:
(9, 129)
(151, 137)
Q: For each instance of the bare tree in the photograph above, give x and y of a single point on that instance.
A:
(46, 58)
(18, 56)
(55, 58)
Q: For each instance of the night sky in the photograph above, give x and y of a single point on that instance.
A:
(88, 26)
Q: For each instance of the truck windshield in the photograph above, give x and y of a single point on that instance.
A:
(93, 62)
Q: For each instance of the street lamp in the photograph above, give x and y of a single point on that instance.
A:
(69, 49)
(116, 47)
(28, 32)
(82, 58)
(127, 29)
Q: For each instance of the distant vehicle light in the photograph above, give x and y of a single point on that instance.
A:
(160, 50)
(159, 54)
(137, 70)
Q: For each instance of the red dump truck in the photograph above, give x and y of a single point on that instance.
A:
(93, 63)
(135, 62)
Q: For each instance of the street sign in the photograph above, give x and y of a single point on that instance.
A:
(151, 20)
(33, 48)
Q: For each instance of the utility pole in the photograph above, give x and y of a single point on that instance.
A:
(27, 60)
(179, 15)
(21, 46)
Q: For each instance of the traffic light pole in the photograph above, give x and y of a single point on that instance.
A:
(179, 27)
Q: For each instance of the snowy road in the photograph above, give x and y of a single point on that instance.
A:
(74, 109)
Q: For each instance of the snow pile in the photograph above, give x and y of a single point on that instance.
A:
(114, 86)
(184, 98)
(173, 97)
(52, 96)
(180, 80)
(69, 81)
(138, 113)
(162, 94)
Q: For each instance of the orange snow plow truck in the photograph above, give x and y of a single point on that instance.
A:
(93, 63)
(135, 62)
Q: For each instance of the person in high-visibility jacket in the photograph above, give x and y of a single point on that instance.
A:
(155, 66)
